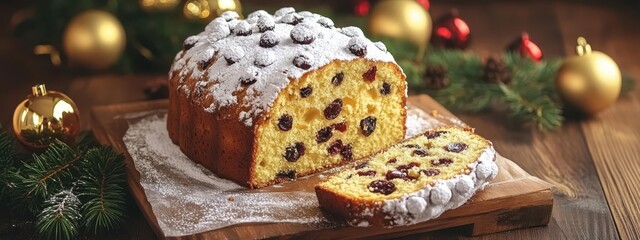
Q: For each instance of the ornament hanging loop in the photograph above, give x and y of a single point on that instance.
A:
(39, 90)
(583, 47)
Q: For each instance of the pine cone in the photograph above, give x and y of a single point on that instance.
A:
(435, 77)
(496, 71)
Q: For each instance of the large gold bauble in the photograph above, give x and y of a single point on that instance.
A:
(94, 39)
(45, 116)
(401, 19)
(206, 10)
(590, 81)
(158, 5)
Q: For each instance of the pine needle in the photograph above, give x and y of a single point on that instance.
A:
(102, 184)
(59, 219)
(8, 157)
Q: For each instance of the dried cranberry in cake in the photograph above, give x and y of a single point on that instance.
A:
(432, 134)
(335, 147)
(293, 153)
(385, 89)
(405, 168)
(333, 109)
(368, 125)
(362, 165)
(291, 174)
(455, 147)
(441, 161)
(302, 61)
(285, 122)
(358, 46)
(337, 79)
(419, 153)
(370, 173)
(247, 80)
(347, 152)
(430, 172)
(393, 174)
(264, 59)
(268, 39)
(303, 34)
(265, 23)
(325, 22)
(382, 186)
(189, 42)
(393, 160)
(242, 28)
(292, 18)
(411, 146)
(370, 75)
(342, 126)
(233, 54)
(306, 91)
(324, 134)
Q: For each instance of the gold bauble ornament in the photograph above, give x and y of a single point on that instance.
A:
(401, 19)
(45, 116)
(590, 81)
(94, 39)
(206, 10)
(158, 5)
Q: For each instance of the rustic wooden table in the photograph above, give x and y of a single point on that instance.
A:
(592, 162)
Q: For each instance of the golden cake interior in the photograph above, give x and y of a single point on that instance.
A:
(305, 102)
(435, 155)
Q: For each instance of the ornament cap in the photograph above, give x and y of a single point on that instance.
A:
(583, 47)
(39, 90)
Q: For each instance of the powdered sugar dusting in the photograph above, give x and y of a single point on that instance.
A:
(187, 199)
(296, 33)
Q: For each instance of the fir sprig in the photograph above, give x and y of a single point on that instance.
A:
(8, 157)
(60, 217)
(102, 182)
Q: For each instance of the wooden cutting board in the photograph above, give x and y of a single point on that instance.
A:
(513, 200)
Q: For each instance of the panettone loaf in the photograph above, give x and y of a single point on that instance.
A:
(413, 181)
(275, 97)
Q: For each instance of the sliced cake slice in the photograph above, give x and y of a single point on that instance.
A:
(412, 181)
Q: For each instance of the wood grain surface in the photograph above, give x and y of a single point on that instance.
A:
(514, 200)
(592, 163)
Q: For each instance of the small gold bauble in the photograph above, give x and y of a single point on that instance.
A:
(158, 5)
(94, 39)
(401, 19)
(590, 81)
(206, 10)
(45, 116)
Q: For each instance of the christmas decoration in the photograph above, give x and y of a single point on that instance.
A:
(67, 191)
(206, 10)
(45, 116)
(426, 4)
(362, 7)
(450, 31)
(526, 48)
(590, 81)
(158, 5)
(94, 39)
(401, 19)
(435, 77)
(496, 71)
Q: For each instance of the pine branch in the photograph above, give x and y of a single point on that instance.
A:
(49, 172)
(539, 109)
(8, 157)
(102, 184)
(59, 219)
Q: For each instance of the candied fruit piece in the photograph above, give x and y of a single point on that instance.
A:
(382, 186)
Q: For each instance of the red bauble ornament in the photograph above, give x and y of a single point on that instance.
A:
(526, 48)
(450, 31)
(362, 7)
(426, 4)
